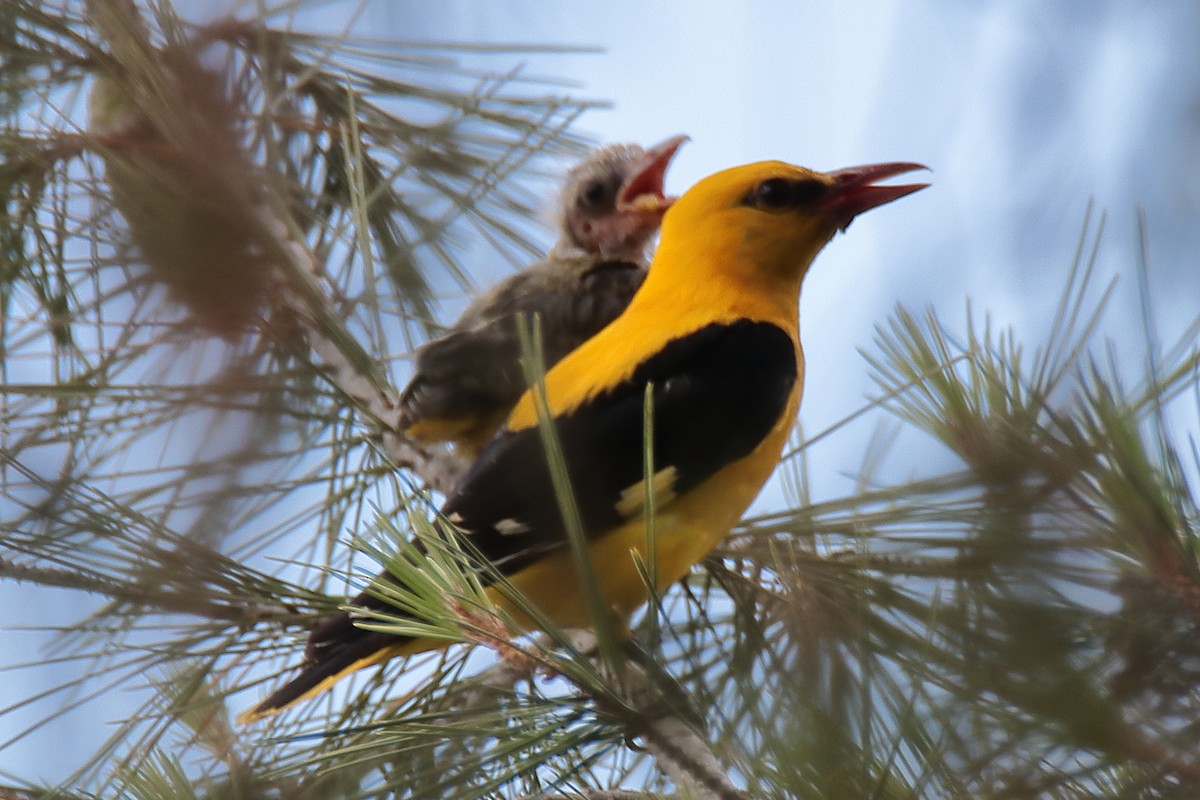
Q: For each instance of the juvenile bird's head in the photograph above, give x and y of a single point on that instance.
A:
(613, 202)
(767, 221)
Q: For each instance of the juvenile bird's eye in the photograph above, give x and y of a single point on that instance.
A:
(593, 194)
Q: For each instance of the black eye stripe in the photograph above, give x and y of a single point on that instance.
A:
(781, 193)
(807, 190)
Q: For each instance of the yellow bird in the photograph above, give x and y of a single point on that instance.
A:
(466, 382)
(714, 331)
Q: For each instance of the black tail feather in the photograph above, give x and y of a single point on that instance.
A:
(335, 646)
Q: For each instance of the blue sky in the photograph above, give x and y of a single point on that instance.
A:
(1025, 111)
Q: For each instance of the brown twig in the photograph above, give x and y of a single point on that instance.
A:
(681, 753)
(350, 372)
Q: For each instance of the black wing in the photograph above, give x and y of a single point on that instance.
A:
(478, 371)
(717, 393)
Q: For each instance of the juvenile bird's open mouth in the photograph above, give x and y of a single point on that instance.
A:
(643, 189)
(854, 191)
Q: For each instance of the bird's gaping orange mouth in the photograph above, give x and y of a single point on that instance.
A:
(643, 192)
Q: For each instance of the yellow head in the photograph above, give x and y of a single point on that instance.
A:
(760, 225)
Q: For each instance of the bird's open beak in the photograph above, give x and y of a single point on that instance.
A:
(854, 191)
(643, 189)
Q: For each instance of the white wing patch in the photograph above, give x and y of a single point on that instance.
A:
(510, 527)
(633, 498)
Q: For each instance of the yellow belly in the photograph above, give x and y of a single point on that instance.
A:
(685, 531)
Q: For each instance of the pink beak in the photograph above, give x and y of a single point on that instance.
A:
(853, 190)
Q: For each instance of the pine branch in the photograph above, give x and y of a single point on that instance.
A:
(157, 597)
(347, 366)
(670, 736)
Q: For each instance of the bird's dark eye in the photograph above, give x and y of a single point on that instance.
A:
(773, 193)
(593, 194)
(781, 193)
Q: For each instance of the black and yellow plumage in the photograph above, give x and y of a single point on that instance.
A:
(714, 333)
(466, 382)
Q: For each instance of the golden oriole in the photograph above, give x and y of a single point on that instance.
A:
(466, 382)
(714, 334)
